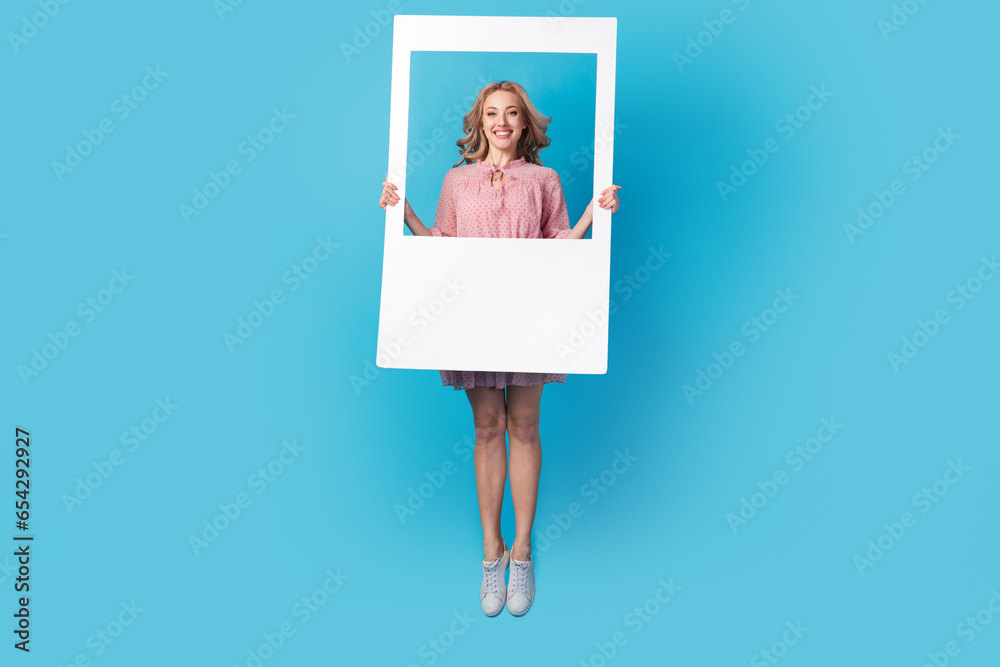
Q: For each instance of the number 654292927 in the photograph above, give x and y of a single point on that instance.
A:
(21, 474)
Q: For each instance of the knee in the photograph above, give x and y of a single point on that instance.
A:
(490, 428)
(523, 430)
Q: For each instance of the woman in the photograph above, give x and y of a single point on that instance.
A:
(503, 191)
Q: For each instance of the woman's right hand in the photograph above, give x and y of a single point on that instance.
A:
(389, 196)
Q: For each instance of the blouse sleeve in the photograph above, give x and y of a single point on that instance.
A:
(446, 217)
(555, 217)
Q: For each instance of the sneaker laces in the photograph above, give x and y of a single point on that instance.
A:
(519, 577)
(490, 576)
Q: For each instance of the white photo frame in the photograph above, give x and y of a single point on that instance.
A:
(523, 305)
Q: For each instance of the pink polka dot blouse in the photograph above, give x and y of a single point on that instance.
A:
(529, 205)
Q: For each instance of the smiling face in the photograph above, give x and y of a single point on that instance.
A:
(503, 121)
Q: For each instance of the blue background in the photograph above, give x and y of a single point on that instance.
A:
(561, 86)
(686, 125)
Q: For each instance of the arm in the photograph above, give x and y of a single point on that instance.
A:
(609, 199)
(390, 198)
(580, 228)
(411, 220)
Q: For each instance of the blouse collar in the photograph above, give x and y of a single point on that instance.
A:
(511, 164)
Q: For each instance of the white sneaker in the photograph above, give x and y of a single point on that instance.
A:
(492, 593)
(521, 587)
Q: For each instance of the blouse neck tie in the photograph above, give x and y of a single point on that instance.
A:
(490, 169)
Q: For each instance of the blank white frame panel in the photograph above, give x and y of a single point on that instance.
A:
(528, 305)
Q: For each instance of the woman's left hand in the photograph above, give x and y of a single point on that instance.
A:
(609, 198)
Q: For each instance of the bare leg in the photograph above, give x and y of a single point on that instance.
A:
(490, 457)
(523, 408)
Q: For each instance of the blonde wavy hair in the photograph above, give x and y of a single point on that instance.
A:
(474, 144)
